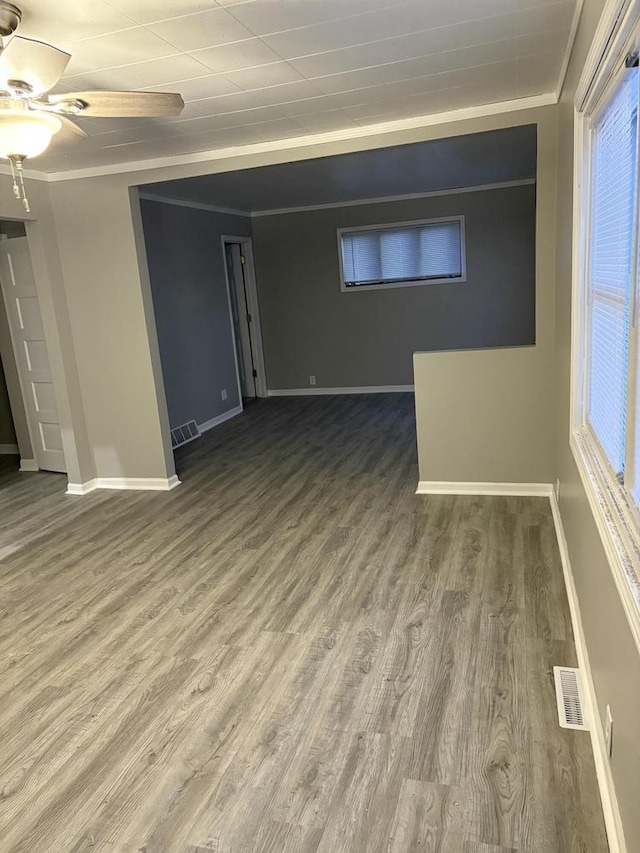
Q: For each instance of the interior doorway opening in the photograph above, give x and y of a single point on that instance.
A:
(9, 453)
(245, 317)
(31, 396)
(206, 313)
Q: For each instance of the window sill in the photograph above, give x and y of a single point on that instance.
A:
(620, 536)
(420, 282)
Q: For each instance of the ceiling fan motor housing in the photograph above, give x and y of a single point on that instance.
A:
(10, 17)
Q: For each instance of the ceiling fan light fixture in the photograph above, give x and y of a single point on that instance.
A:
(10, 17)
(26, 133)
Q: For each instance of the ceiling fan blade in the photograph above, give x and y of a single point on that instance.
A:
(120, 104)
(34, 62)
(72, 127)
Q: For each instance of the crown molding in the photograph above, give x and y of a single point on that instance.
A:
(478, 188)
(279, 211)
(364, 132)
(31, 174)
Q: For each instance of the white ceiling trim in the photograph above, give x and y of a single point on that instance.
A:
(414, 123)
(32, 174)
(573, 32)
(196, 205)
(503, 185)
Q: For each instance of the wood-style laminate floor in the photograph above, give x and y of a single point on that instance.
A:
(290, 653)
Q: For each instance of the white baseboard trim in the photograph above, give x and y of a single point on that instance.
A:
(150, 484)
(9, 450)
(220, 419)
(29, 465)
(357, 389)
(81, 488)
(432, 487)
(612, 819)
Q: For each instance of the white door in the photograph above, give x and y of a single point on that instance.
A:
(30, 348)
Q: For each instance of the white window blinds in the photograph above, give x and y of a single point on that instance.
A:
(420, 252)
(610, 266)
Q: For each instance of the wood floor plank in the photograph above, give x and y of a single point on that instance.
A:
(291, 653)
(429, 819)
(501, 783)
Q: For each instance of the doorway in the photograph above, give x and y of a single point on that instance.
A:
(245, 317)
(26, 358)
(8, 438)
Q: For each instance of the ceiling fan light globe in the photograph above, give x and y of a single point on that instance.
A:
(26, 134)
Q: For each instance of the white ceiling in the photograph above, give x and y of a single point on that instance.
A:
(258, 70)
(472, 160)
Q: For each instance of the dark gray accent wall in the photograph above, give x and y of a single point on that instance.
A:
(369, 337)
(7, 432)
(186, 269)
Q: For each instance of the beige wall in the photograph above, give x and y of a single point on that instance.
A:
(109, 316)
(615, 659)
(498, 425)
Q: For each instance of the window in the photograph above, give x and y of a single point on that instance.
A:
(605, 433)
(413, 253)
(611, 269)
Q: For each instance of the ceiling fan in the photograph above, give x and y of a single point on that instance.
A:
(29, 116)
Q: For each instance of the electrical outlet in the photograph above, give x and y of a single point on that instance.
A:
(312, 380)
(608, 731)
(223, 393)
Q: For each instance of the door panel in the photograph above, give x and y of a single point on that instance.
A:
(30, 348)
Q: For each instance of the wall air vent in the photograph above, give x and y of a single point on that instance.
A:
(184, 434)
(569, 698)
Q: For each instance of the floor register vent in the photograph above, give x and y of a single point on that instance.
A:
(184, 434)
(569, 698)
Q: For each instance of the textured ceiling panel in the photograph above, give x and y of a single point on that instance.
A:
(248, 67)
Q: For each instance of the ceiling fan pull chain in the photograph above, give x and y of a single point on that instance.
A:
(25, 200)
(16, 188)
(19, 191)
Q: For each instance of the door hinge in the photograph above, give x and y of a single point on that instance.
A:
(248, 317)
(242, 259)
(255, 374)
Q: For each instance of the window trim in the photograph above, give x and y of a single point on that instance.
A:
(617, 518)
(390, 284)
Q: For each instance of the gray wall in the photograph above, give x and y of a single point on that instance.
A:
(186, 270)
(7, 432)
(614, 656)
(369, 337)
